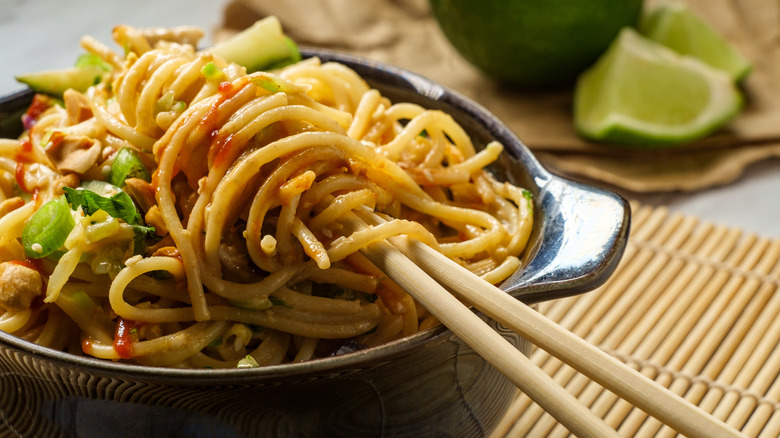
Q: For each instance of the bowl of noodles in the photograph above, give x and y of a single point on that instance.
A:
(176, 258)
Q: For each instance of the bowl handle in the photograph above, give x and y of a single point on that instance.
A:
(582, 239)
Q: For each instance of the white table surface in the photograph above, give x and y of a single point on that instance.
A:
(43, 34)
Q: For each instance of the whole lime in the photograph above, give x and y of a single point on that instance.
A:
(533, 43)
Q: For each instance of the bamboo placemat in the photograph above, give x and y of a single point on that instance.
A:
(692, 305)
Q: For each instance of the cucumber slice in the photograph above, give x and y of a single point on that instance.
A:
(55, 82)
(259, 47)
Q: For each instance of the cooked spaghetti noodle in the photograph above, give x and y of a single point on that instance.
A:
(237, 248)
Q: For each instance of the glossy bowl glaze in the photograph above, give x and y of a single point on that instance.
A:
(430, 384)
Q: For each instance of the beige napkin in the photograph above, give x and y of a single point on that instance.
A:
(404, 33)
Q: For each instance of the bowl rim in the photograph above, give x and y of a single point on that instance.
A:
(379, 73)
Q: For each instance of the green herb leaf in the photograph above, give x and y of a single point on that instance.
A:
(119, 205)
(141, 233)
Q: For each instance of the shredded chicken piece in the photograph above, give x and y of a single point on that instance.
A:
(180, 34)
(19, 285)
(76, 106)
(143, 40)
(74, 153)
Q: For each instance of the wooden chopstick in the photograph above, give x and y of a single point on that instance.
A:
(607, 371)
(505, 357)
(487, 342)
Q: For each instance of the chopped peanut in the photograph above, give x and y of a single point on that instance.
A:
(154, 218)
(70, 180)
(142, 192)
(19, 285)
(167, 251)
(76, 106)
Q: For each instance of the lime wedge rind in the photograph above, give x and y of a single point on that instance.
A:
(639, 93)
(675, 26)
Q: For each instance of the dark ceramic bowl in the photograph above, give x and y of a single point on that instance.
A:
(430, 384)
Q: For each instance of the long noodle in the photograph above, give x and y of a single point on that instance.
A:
(252, 179)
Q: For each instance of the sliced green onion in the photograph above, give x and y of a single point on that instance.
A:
(101, 188)
(179, 106)
(46, 138)
(165, 102)
(102, 230)
(247, 362)
(212, 72)
(126, 165)
(47, 229)
(270, 83)
(529, 197)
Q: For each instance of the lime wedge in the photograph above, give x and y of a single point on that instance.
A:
(676, 27)
(642, 93)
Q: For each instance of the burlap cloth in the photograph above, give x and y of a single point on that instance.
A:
(404, 33)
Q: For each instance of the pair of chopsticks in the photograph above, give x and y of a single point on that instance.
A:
(442, 287)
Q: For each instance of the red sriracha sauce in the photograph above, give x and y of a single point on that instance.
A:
(86, 345)
(20, 177)
(34, 264)
(125, 336)
(39, 104)
(23, 156)
(36, 198)
(222, 145)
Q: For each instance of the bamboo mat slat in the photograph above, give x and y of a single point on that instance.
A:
(692, 305)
